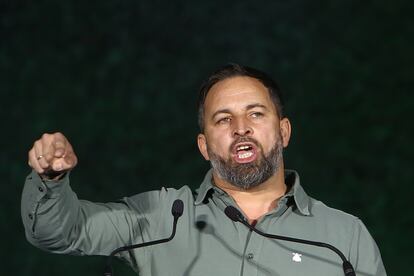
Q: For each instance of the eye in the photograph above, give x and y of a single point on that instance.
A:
(223, 121)
(256, 114)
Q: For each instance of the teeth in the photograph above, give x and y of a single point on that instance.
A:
(243, 147)
(245, 155)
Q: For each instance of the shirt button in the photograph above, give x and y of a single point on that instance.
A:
(30, 216)
(250, 256)
(40, 189)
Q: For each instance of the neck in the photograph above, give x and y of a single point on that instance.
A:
(257, 201)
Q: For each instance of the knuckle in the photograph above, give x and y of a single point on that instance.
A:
(58, 134)
(48, 156)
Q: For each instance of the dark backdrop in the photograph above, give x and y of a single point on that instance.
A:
(120, 79)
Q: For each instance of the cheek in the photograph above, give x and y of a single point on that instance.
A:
(218, 144)
(269, 139)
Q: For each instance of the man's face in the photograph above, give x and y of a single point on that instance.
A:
(243, 135)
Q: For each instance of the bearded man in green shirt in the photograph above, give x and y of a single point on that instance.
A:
(243, 133)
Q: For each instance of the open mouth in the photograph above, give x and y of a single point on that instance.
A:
(244, 152)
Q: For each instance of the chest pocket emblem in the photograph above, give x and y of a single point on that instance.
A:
(296, 257)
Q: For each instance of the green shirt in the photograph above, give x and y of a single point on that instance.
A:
(207, 242)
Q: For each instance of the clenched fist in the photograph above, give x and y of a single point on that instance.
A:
(52, 155)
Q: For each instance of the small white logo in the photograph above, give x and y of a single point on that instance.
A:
(296, 257)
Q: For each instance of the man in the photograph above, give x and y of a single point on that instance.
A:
(243, 133)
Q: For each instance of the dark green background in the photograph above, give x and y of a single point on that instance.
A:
(120, 79)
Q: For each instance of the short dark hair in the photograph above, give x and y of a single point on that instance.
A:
(235, 70)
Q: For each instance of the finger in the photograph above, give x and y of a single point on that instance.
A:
(60, 164)
(67, 162)
(34, 163)
(38, 149)
(70, 158)
(59, 144)
(69, 153)
(48, 148)
(48, 156)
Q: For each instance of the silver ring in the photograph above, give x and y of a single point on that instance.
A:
(39, 157)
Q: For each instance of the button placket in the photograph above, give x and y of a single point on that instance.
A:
(42, 192)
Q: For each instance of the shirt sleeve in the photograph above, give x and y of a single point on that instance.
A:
(365, 255)
(56, 220)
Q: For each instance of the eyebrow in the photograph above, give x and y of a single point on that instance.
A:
(248, 107)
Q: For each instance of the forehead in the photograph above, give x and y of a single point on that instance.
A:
(237, 92)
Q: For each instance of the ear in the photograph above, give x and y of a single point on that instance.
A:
(285, 131)
(202, 145)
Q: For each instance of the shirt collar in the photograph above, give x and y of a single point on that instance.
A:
(297, 192)
(291, 178)
(204, 188)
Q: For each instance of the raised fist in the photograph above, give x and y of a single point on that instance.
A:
(52, 155)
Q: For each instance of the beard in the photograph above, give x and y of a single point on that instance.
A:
(252, 174)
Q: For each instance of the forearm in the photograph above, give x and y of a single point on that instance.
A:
(48, 208)
(55, 220)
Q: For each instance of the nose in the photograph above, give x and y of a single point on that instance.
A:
(241, 127)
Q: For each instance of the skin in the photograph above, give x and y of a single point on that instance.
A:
(238, 106)
(52, 155)
(241, 106)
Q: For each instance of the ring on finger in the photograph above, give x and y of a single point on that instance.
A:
(39, 157)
